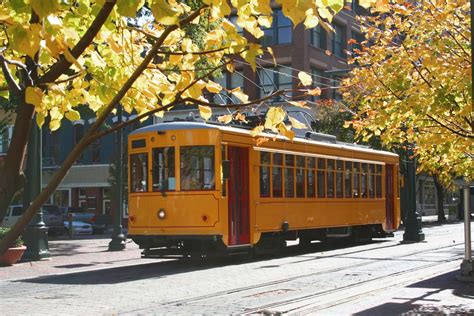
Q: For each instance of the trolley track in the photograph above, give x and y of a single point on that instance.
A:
(299, 300)
(296, 305)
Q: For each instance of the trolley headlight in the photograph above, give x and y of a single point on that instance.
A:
(161, 213)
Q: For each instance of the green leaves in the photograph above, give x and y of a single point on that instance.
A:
(129, 7)
(44, 7)
(164, 12)
(25, 39)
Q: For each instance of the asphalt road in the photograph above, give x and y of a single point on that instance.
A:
(381, 277)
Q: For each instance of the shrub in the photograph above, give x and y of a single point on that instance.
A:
(17, 243)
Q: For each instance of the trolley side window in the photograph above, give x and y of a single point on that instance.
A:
(197, 168)
(378, 182)
(139, 172)
(300, 176)
(163, 174)
(277, 182)
(371, 181)
(264, 174)
(339, 178)
(364, 178)
(330, 178)
(321, 177)
(289, 176)
(311, 186)
(348, 179)
(356, 173)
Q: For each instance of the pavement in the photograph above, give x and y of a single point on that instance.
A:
(76, 257)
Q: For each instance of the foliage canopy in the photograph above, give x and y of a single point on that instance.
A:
(413, 83)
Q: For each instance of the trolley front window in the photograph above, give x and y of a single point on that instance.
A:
(197, 168)
(139, 172)
(163, 169)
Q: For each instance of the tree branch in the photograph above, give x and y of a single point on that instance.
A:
(77, 74)
(449, 128)
(205, 52)
(86, 140)
(239, 105)
(13, 86)
(62, 64)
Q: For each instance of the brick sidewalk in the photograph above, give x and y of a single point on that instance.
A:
(76, 255)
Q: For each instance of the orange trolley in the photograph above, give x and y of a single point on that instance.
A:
(197, 189)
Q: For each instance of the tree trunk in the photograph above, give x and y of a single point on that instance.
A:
(439, 199)
(18, 228)
(11, 175)
(12, 179)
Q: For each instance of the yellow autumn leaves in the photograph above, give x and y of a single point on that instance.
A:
(416, 88)
(94, 78)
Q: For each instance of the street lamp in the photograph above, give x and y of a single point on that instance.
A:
(412, 220)
(36, 234)
(118, 239)
(467, 265)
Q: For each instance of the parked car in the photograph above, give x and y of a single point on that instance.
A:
(53, 219)
(78, 228)
(14, 212)
(99, 222)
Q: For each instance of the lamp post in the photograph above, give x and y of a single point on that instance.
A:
(36, 234)
(118, 239)
(412, 221)
(467, 265)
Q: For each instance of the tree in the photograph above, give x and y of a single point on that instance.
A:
(57, 55)
(413, 84)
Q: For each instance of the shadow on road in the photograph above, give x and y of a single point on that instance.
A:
(428, 304)
(161, 269)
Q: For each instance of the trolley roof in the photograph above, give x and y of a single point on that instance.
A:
(169, 126)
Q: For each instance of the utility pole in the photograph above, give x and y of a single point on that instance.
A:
(36, 234)
(412, 221)
(118, 239)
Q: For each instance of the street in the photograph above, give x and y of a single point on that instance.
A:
(381, 277)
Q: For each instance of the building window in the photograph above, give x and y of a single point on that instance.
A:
(356, 44)
(318, 37)
(77, 134)
(163, 169)
(338, 41)
(356, 8)
(272, 79)
(95, 151)
(4, 138)
(317, 76)
(228, 81)
(279, 32)
(233, 20)
(335, 84)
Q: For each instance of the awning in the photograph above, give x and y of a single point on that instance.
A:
(81, 176)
